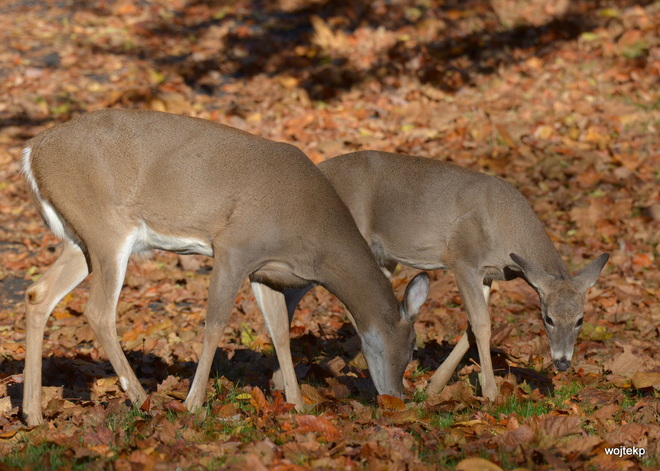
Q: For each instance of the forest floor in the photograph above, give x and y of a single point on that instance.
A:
(559, 98)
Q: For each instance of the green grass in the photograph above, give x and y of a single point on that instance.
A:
(42, 456)
(420, 395)
(127, 420)
(443, 420)
(561, 395)
(522, 407)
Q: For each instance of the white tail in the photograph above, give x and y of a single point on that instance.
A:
(430, 215)
(116, 182)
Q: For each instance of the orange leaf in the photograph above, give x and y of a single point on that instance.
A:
(258, 400)
(390, 402)
(127, 9)
(146, 405)
(643, 260)
(280, 406)
(175, 406)
(224, 411)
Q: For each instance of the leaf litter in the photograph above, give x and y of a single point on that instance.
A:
(559, 98)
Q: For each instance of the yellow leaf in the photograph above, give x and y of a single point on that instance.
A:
(544, 132)
(477, 464)
(254, 118)
(288, 82)
(247, 335)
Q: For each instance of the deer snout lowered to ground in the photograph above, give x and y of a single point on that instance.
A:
(428, 214)
(116, 182)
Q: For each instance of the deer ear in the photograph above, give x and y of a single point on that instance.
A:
(535, 275)
(589, 274)
(416, 293)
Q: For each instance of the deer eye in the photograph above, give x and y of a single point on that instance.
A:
(578, 324)
(549, 321)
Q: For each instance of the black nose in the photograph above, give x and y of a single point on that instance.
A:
(562, 364)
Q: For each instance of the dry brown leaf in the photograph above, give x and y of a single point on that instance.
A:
(175, 406)
(646, 380)
(628, 435)
(5, 405)
(313, 423)
(519, 436)
(625, 364)
(402, 416)
(560, 426)
(103, 386)
(311, 396)
(581, 445)
(606, 413)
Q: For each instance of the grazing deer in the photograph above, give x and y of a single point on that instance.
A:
(116, 182)
(430, 215)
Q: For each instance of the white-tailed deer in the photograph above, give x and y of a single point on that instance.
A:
(116, 182)
(430, 215)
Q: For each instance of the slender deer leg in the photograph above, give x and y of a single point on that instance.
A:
(101, 309)
(473, 298)
(273, 307)
(41, 298)
(443, 374)
(225, 282)
(292, 297)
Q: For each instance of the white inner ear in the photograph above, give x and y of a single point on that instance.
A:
(416, 295)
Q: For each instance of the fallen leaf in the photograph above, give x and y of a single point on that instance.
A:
(477, 464)
(514, 438)
(258, 400)
(646, 380)
(561, 426)
(311, 396)
(402, 416)
(313, 423)
(388, 402)
(224, 411)
(5, 405)
(146, 405)
(625, 364)
(175, 406)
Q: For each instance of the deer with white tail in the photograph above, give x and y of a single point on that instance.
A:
(431, 215)
(116, 182)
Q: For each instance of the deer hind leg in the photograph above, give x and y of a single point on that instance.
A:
(443, 374)
(109, 261)
(41, 298)
(226, 280)
(274, 309)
